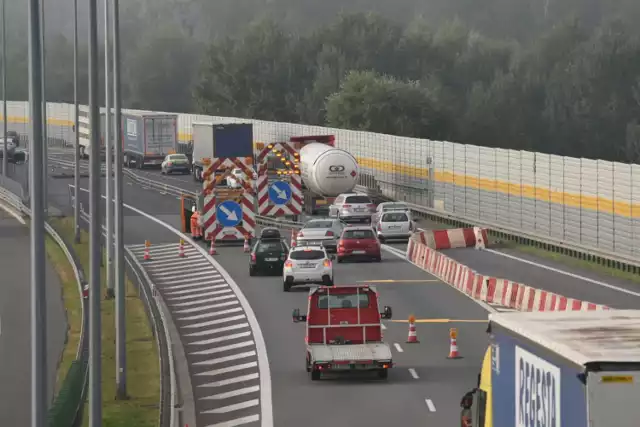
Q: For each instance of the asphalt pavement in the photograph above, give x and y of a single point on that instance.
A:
(15, 321)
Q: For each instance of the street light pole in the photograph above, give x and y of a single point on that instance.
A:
(95, 228)
(121, 351)
(5, 115)
(109, 150)
(39, 386)
(45, 137)
(76, 165)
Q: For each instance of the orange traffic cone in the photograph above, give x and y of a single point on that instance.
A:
(453, 346)
(181, 249)
(245, 247)
(212, 248)
(147, 250)
(413, 336)
(294, 237)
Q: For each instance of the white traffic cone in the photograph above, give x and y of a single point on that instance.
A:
(147, 250)
(453, 344)
(413, 336)
(245, 247)
(181, 249)
(212, 248)
(294, 238)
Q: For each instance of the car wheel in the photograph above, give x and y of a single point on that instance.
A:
(162, 172)
(383, 374)
(315, 375)
(382, 239)
(286, 286)
(252, 271)
(340, 260)
(378, 259)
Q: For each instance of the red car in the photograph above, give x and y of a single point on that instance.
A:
(359, 242)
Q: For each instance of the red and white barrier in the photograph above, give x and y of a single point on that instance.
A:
(491, 289)
(453, 238)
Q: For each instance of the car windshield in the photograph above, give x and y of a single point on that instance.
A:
(306, 255)
(358, 234)
(395, 206)
(358, 200)
(319, 224)
(343, 301)
(270, 247)
(395, 217)
(270, 233)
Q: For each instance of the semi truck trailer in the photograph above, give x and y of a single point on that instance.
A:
(559, 369)
(148, 138)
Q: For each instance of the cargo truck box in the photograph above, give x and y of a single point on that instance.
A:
(565, 369)
(220, 140)
(148, 138)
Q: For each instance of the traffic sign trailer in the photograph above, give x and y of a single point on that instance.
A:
(228, 215)
(280, 197)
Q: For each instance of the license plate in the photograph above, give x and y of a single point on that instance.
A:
(271, 259)
(308, 266)
(359, 209)
(359, 252)
(394, 227)
(341, 366)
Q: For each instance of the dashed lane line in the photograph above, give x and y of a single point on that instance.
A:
(398, 348)
(414, 374)
(216, 333)
(430, 405)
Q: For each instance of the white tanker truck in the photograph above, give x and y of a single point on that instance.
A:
(326, 172)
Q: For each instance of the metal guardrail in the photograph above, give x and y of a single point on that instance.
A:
(16, 202)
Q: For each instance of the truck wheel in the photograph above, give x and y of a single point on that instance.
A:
(383, 374)
(252, 271)
(286, 286)
(315, 375)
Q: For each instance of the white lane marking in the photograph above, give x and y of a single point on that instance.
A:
(228, 369)
(171, 283)
(157, 257)
(218, 330)
(139, 247)
(237, 422)
(566, 273)
(210, 315)
(414, 374)
(170, 274)
(395, 251)
(224, 348)
(226, 358)
(266, 408)
(13, 213)
(430, 405)
(382, 326)
(195, 287)
(397, 346)
(192, 263)
(234, 407)
(214, 322)
(209, 307)
(190, 303)
(232, 393)
(209, 293)
(221, 339)
(234, 380)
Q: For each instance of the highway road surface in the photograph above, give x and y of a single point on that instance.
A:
(424, 388)
(15, 334)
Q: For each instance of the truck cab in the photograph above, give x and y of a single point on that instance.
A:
(344, 331)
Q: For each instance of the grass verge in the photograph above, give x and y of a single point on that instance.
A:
(143, 375)
(560, 258)
(72, 306)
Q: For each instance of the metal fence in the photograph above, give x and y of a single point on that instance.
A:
(587, 202)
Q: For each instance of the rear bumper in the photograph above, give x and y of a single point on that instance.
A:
(307, 278)
(355, 216)
(354, 254)
(181, 169)
(390, 235)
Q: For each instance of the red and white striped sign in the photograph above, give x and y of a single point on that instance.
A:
(450, 238)
(265, 206)
(213, 230)
(489, 289)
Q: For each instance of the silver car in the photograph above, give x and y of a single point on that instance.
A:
(394, 225)
(321, 232)
(175, 163)
(389, 206)
(352, 207)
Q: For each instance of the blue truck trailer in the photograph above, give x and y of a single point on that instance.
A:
(559, 369)
(219, 140)
(147, 138)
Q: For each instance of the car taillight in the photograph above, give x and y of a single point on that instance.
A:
(346, 206)
(379, 227)
(169, 163)
(253, 257)
(371, 205)
(288, 264)
(327, 263)
(329, 233)
(300, 234)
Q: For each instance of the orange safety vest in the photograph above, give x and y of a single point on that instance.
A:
(195, 226)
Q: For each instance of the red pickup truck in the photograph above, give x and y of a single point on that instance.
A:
(344, 331)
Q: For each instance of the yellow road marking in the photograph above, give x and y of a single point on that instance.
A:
(443, 321)
(398, 281)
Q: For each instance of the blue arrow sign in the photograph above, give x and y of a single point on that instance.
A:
(280, 193)
(229, 213)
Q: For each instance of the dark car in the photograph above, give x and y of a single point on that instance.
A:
(270, 233)
(268, 257)
(15, 135)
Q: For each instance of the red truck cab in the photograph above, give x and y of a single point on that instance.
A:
(344, 331)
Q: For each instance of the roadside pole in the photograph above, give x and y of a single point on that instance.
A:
(45, 137)
(109, 150)
(76, 165)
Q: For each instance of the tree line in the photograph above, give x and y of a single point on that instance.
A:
(573, 89)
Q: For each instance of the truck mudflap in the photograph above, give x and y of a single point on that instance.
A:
(360, 356)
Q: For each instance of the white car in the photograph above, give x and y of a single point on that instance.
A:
(307, 265)
(389, 206)
(394, 225)
(320, 232)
